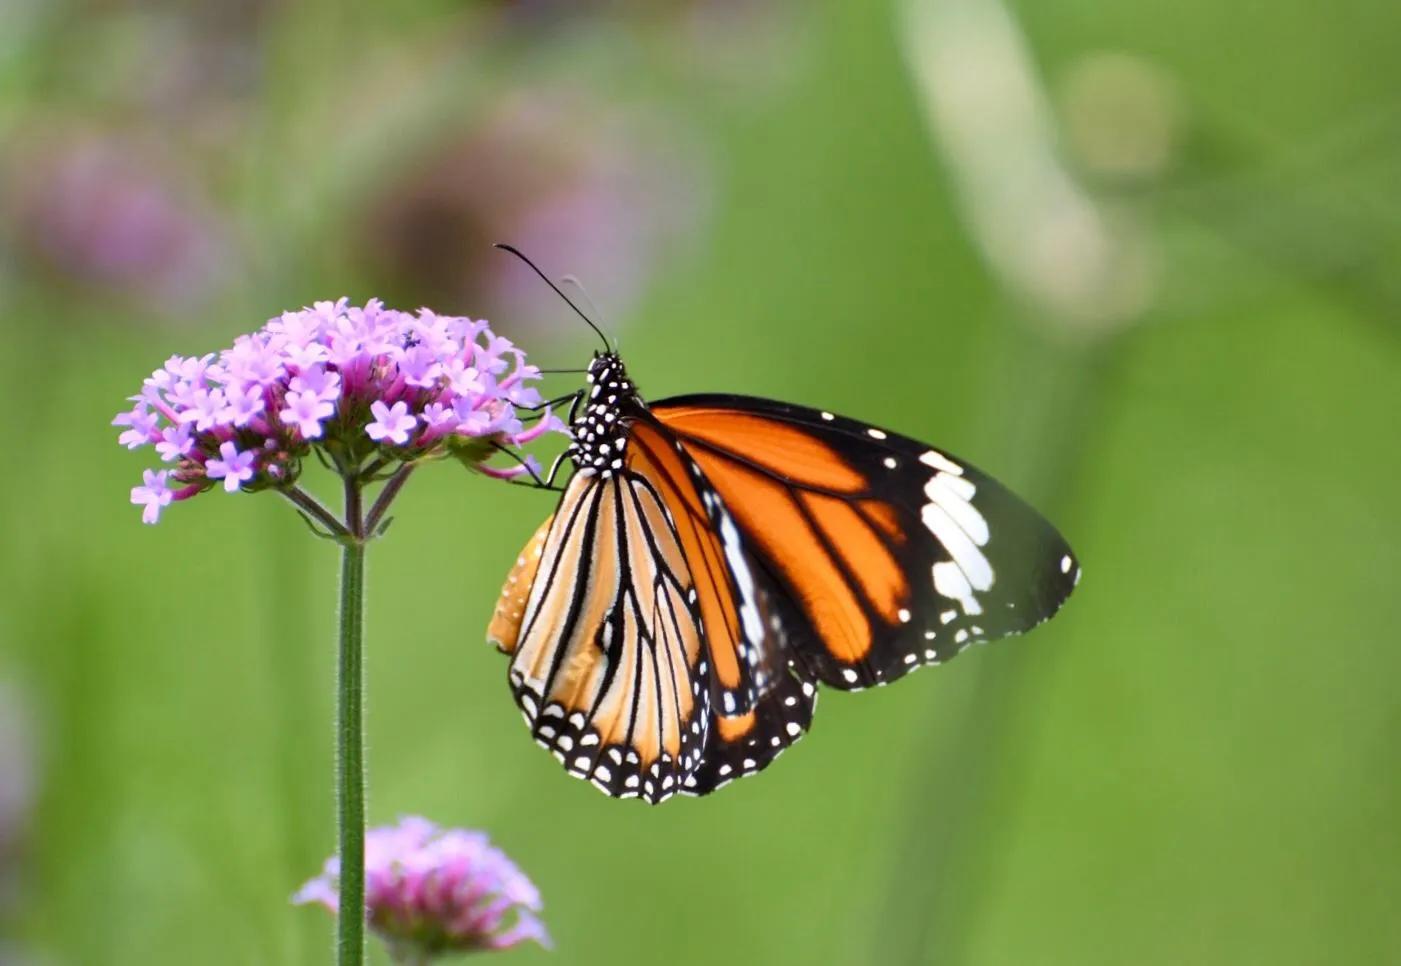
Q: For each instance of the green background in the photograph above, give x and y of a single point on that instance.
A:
(1195, 762)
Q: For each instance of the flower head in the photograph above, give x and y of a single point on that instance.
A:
(115, 215)
(359, 384)
(430, 891)
(611, 200)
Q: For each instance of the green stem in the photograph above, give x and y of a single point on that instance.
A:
(386, 497)
(350, 734)
(313, 511)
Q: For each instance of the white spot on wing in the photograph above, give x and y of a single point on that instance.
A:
(941, 462)
(950, 581)
(976, 570)
(953, 494)
(744, 580)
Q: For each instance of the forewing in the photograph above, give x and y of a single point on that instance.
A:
(896, 554)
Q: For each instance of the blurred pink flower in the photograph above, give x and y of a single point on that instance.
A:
(17, 793)
(598, 193)
(430, 891)
(109, 214)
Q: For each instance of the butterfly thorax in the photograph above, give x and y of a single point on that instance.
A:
(599, 428)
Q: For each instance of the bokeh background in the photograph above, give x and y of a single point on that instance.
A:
(1140, 260)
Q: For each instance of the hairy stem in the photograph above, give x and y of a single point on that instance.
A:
(350, 737)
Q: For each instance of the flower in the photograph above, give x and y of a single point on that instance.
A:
(153, 495)
(233, 467)
(18, 787)
(606, 193)
(116, 216)
(391, 423)
(430, 891)
(357, 385)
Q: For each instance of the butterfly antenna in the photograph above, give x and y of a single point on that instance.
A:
(573, 280)
(577, 311)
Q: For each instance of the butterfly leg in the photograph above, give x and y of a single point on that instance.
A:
(537, 482)
(538, 411)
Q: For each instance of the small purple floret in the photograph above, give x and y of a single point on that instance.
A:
(233, 467)
(153, 496)
(431, 891)
(392, 423)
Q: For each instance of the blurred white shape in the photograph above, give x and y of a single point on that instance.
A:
(1042, 233)
(1122, 115)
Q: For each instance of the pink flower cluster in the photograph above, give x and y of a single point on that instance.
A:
(430, 891)
(359, 383)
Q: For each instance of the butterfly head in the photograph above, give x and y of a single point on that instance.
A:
(599, 429)
(606, 369)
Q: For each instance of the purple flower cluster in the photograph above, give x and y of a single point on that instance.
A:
(357, 384)
(430, 891)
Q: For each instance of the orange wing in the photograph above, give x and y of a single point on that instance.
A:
(895, 554)
(761, 701)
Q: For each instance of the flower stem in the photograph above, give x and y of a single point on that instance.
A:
(386, 497)
(350, 734)
(313, 510)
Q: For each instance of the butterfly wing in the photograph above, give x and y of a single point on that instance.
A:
(897, 554)
(761, 698)
(601, 622)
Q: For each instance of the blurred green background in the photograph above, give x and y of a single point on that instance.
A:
(1139, 260)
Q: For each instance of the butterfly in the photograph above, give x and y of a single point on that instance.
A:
(714, 559)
